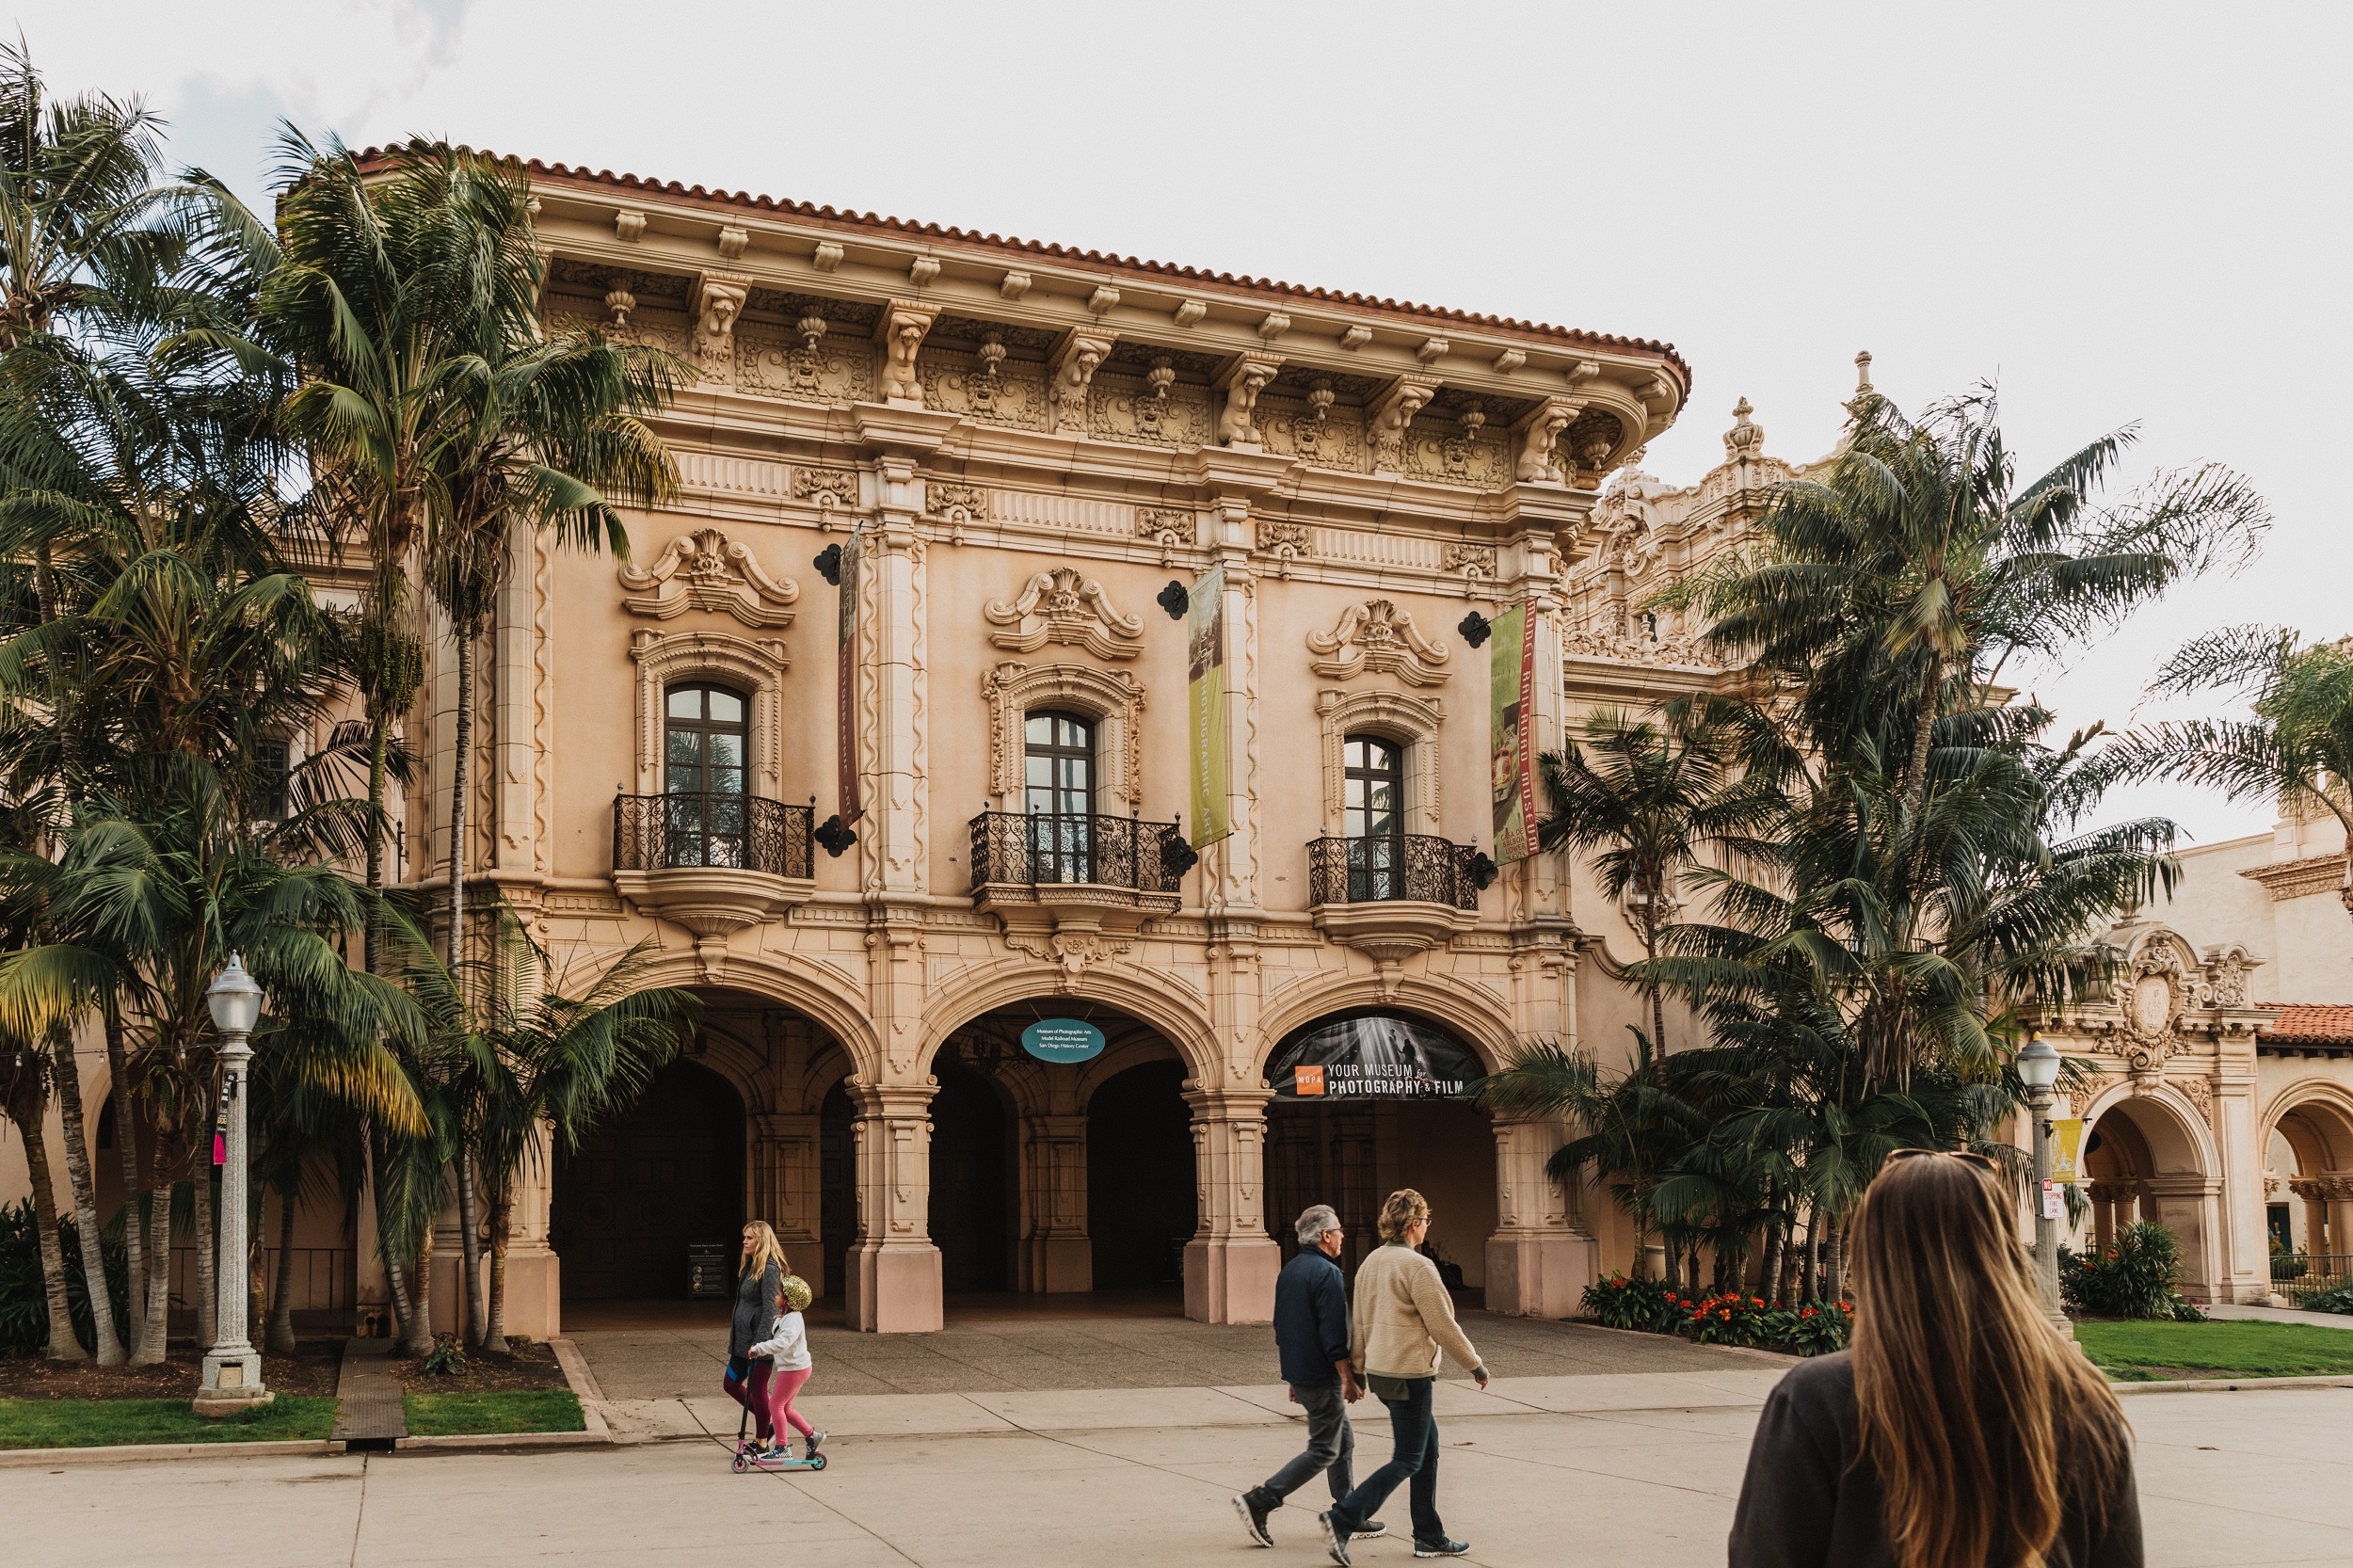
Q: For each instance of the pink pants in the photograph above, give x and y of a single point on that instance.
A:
(782, 1385)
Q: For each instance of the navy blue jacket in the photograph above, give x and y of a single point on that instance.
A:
(1312, 1319)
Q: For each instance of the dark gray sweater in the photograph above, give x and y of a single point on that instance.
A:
(755, 1310)
(1806, 1504)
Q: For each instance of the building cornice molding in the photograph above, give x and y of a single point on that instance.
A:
(2306, 878)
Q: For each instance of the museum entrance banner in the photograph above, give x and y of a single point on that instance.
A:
(845, 691)
(1205, 704)
(1372, 1057)
(1511, 729)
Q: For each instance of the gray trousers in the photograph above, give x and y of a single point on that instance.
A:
(1331, 1447)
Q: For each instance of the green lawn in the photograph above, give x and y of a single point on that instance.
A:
(2152, 1352)
(100, 1423)
(535, 1410)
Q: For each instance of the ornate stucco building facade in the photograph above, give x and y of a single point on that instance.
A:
(1023, 448)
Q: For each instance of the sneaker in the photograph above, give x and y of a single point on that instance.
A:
(1368, 1528)
(1441, 1548)
(1334, 1539)
(815, 1440)
(1253, 1516)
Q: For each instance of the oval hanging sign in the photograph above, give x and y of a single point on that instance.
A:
(1063, 1040)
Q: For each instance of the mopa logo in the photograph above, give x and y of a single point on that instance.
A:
(1308, 1080)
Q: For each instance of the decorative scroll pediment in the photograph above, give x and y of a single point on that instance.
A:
(1378, 636)
(1062, 606)
(706, 570)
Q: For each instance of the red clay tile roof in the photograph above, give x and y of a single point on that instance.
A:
(566, 174)
(2304, 1023)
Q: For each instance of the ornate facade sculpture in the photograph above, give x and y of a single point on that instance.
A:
(1062, 606)
(829, 488)
(1236, 425)
(1285, 542)
(902, 329)
(1378, 636)
(1165, 528)
(706, 570)
(1538, 461)
(2156, 994)
(1387, 418)
(718, 300)
(1071, 371)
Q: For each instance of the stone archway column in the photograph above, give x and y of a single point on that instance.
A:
(535, 1275)
(2108, 1199)
(2336, 1188)
(1057, 1255)
(894, 1277)
(785, 1188)
(1232, 1261)
(2191, 1207)
(1540, 1259)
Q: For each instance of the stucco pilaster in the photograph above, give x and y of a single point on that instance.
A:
(894, 1275)
(1540, 1259)
(785, 1188)
(1056, 1254)
(1232, 1261)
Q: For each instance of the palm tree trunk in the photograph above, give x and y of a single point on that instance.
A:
(156, 1335)
(69, 1082)
(63, 1346)
(208, 1267)
(476, 1326)
(1769, 1266)
(395, 1275)
(379, 739)
(462, 768)
(502, 1223)
(1923, 735)
(1836, 1262)
(280, 1340)
(421, 1322)
(127, 1149)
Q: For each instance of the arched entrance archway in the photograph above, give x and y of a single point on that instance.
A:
(634, 1196)
(2309, 1186)
(1382, 1109)
(2143, 1161)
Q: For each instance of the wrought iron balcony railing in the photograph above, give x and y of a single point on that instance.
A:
(656, 833)
(1036, 849)
(1403, 866)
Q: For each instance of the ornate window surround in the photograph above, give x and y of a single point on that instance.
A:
(755, 666)
(1411, 722)
(1113, 699)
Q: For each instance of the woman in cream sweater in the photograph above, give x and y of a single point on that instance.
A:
(1401, 1322)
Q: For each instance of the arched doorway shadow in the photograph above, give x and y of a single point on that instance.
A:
(1141, 1206)
(2146, 1160)
(973, 1180)
(638, 1191)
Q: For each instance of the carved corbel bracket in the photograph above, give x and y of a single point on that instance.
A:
(1386, 417)
(1170, 530)
(716, 301)
(1248, 376)
(901, 330)
(706, 570)
(1378, 636)
(1063, 606)
(1069, 371)
(1538, 459)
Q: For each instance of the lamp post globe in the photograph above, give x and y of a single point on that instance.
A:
(2038, 1069)
(233, 1367)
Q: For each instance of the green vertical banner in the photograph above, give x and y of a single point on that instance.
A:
(1512, 718)
(1205, 694)
(845, 691)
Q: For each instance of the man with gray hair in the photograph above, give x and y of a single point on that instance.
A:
(1311, 1331)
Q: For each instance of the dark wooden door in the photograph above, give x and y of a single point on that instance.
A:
(638, 1191)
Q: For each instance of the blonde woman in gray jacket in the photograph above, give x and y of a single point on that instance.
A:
(1401, 1321)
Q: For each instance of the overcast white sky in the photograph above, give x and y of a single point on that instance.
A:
(2124, 212)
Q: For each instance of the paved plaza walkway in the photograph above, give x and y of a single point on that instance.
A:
(1553, 1468)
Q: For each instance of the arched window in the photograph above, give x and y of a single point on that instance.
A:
(1057, 778)
(1374, 810)
(705, 740)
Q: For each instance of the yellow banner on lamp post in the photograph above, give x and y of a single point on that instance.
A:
(2067, 1149)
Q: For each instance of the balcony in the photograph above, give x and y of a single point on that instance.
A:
(1059, 881)
(1396, 896)
(714, 863)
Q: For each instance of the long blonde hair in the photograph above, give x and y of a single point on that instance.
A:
(1981, 1422)
(765, 1250)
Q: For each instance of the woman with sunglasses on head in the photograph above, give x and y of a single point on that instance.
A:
(1958, 1431)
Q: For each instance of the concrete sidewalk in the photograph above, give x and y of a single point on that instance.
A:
(2283, 1315)
(2228, 1480)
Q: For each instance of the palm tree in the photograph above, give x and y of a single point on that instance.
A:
(25, 1092)
(541, 1058)
(2295, 749)
(1651, 795)
(84, 229)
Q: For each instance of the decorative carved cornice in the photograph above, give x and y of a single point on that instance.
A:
(1378, 636)
(1285, 542)
(2314, 874)
(706, 570)
(1062, 606)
